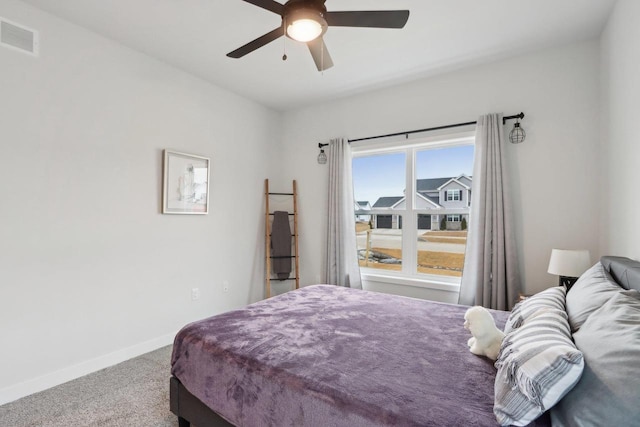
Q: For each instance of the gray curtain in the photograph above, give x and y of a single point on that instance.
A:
(342, 251)
(490, 277)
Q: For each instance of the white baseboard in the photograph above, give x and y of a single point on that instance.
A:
(14, 392)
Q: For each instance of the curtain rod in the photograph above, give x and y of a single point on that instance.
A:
(504, 120)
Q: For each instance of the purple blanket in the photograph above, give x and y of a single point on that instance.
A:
(331, 356)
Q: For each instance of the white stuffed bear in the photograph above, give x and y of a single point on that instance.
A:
(486, 339)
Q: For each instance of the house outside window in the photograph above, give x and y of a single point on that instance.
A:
(453, 195)
(423, 236)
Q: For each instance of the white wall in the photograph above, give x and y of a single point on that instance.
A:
(620, 135)
(553, 173)
(91, 272)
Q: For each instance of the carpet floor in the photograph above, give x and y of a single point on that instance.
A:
(132, 393)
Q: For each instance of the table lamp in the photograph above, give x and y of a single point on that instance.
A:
(569, 265)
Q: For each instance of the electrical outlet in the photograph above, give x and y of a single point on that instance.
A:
(195, 294)
(225, 286)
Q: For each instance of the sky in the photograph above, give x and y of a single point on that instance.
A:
(384, 175)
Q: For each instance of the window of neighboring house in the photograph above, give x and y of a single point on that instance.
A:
(454, 195)
(412, 232)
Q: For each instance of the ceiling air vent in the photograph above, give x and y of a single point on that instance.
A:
(17, 37)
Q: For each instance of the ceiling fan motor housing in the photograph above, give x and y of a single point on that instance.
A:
(292, 5)
(314, 10)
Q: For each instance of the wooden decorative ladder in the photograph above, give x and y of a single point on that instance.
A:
(294, 236)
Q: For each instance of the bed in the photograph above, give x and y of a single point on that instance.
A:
(331, 356)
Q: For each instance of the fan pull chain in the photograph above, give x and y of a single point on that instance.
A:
(284, 41)
(322, 57)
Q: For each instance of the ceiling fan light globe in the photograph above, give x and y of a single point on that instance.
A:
(304, 30)
(305, 24)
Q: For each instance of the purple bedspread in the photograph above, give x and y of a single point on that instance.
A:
(331, 356)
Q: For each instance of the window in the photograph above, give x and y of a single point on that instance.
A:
(454, 195)
(413, 233)
(380, 239)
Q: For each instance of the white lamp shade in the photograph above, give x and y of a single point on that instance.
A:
(569, 263)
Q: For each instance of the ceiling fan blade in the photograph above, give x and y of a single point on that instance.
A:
(270, 5)
(257, 43)
(371, 18)
(320, 54)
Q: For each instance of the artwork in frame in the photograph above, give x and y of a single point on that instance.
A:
(186, 184)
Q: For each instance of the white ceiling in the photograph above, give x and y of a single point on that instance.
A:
(196, 35)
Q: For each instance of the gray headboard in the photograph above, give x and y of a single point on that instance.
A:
(625, 271)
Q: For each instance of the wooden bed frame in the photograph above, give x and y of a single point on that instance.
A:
(190, 409)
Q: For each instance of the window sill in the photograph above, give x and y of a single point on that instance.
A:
(435, 283)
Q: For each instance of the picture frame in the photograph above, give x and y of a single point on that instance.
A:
(185, 188)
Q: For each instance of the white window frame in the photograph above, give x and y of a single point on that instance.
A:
(454, 218)
(409, 275)
(456, 195)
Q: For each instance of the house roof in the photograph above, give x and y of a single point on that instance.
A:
(387, 202)
(433, 199)
(431, 184)
(456, 180)
(435, 184)
(422, 187)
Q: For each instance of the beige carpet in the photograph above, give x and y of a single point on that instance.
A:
(133, 393)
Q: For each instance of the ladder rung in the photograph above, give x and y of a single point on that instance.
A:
(281, 194)
(283, 256)
(289, 214)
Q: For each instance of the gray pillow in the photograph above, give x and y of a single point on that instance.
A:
(608, 393)
(594, 288)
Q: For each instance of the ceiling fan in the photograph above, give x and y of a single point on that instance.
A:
(307, 21)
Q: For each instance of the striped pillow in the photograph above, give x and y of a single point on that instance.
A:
(549, 298)
(537, 365)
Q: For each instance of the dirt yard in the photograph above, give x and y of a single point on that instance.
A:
(445, 237)
(429, 261)
(450, 263)
(362, 226)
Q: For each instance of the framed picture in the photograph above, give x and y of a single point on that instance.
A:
(185, 189)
